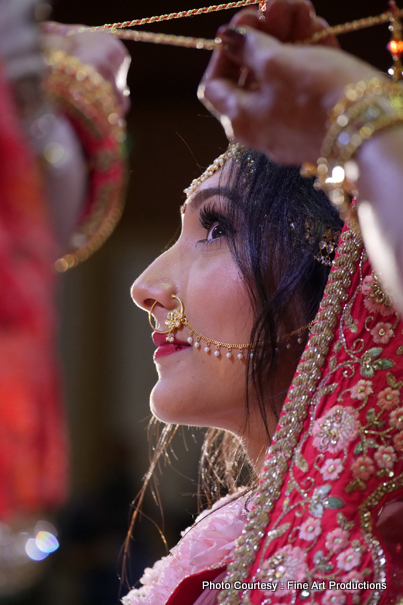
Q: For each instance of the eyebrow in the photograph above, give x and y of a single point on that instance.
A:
(205, 194)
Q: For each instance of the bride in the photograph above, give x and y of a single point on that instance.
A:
(304, 378)
(232, 303)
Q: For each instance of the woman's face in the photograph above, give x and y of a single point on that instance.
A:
(195, 387)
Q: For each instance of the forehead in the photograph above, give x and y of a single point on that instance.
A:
(216, 184)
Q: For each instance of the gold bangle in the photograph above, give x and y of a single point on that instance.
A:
(365, 109)
(90, 103)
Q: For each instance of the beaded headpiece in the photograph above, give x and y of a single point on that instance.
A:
(212, 169)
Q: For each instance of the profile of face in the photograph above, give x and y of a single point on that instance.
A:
(195, 387)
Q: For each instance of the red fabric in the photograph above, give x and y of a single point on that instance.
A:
(32, 435)
(191, 588)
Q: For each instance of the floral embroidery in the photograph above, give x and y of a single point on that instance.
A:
(363, 468)
(333, 431)
(288, 564)
(375, 300)
(310, 529)
(382, 333)
(334, 597)
(337, 539)
(355, 577)
(396, 419)
(361, 390)
(385, 457)
(388, 398)
(348, 559)
(398, 441)
(331, 469)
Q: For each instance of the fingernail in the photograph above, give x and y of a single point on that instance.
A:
(232, 39)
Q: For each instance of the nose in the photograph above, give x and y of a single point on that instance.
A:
(156, 283)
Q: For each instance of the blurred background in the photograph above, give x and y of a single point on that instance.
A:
(105, 342)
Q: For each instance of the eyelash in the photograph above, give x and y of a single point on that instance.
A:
(209, 215)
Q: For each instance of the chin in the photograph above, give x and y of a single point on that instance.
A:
(165, 404)
(173, 404)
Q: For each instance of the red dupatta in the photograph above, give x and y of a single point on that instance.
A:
(32, 435)
(336, 458)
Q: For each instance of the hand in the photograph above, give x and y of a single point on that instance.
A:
(275, 96)
(19, 41)
(106, 54)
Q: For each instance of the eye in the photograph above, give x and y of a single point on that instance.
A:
(215, 224)
(216, 231)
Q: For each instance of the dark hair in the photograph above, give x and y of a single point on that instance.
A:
(279, 219)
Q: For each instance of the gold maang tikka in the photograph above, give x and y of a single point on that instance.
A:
(176, 319)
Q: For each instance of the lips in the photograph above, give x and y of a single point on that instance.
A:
(165, 347)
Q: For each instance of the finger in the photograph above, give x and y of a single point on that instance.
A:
(251, 49)
(248, 17)
(222, 98)
(304, 22)
(277, 19)
(321, 24)
(121, 85)
(236, 107)
(221, 64)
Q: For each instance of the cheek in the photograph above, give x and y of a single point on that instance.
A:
(217, 302)
(195, 387)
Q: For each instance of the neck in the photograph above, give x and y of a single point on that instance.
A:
(256, 439)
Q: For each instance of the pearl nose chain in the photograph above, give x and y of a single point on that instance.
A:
(177, 318)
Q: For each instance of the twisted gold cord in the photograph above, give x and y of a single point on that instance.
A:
(351, 26)
(170, 40)
(179, 15)
(209, 44)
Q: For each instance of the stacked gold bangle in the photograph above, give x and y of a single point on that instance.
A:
(91, 105)
(365, 108)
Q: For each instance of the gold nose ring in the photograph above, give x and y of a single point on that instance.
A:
(175, 319)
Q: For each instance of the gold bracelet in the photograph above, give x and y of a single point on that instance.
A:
(365, 109)
(90, 103)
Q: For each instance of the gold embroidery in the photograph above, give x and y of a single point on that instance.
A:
(374, 546)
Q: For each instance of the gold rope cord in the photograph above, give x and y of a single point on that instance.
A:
(170, 39)
(209, 44)
(179, 15)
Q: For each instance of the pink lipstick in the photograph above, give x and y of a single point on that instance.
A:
(165, 347)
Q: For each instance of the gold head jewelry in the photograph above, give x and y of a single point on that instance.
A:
(176, 319)
(327, 247)
(212, 169)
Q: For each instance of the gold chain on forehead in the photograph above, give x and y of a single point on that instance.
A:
(209, 44)
(212, 169)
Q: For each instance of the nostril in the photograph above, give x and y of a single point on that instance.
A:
(148, 303)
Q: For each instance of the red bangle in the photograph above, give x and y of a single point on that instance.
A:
(90, 103)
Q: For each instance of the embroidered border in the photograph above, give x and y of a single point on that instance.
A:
(366, 521)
